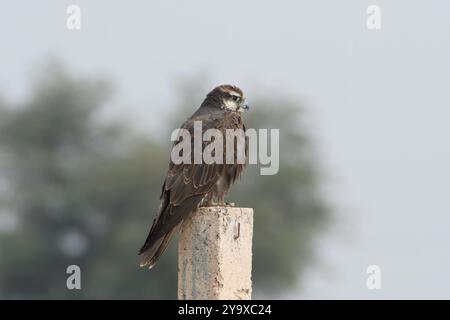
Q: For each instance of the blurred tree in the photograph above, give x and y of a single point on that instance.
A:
(84, 192)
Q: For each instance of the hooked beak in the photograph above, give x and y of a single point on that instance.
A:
(245, 105)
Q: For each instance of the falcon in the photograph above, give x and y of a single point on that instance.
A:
(190, 185)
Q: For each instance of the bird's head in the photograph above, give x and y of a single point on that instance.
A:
(231, 98)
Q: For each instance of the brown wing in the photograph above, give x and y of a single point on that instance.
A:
(183, 189)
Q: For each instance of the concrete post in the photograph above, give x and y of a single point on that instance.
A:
(215, 254)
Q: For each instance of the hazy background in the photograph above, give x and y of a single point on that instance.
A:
(374, 105)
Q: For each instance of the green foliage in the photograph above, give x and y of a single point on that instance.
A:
(84, 192)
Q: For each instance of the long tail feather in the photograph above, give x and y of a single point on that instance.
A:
(151, 254)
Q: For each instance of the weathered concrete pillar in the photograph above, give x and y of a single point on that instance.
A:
(215, 254)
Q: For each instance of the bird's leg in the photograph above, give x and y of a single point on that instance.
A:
(215, 198)
(222, 202)
(209, 201)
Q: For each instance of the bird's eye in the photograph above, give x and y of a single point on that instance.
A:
(235, 98)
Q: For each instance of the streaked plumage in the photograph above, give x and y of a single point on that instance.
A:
(188, 185)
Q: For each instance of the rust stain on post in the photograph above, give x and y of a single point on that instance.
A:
(215, 254)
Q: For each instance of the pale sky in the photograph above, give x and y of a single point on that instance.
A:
(378, 103)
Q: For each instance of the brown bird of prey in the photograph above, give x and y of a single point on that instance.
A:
(189, 185)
